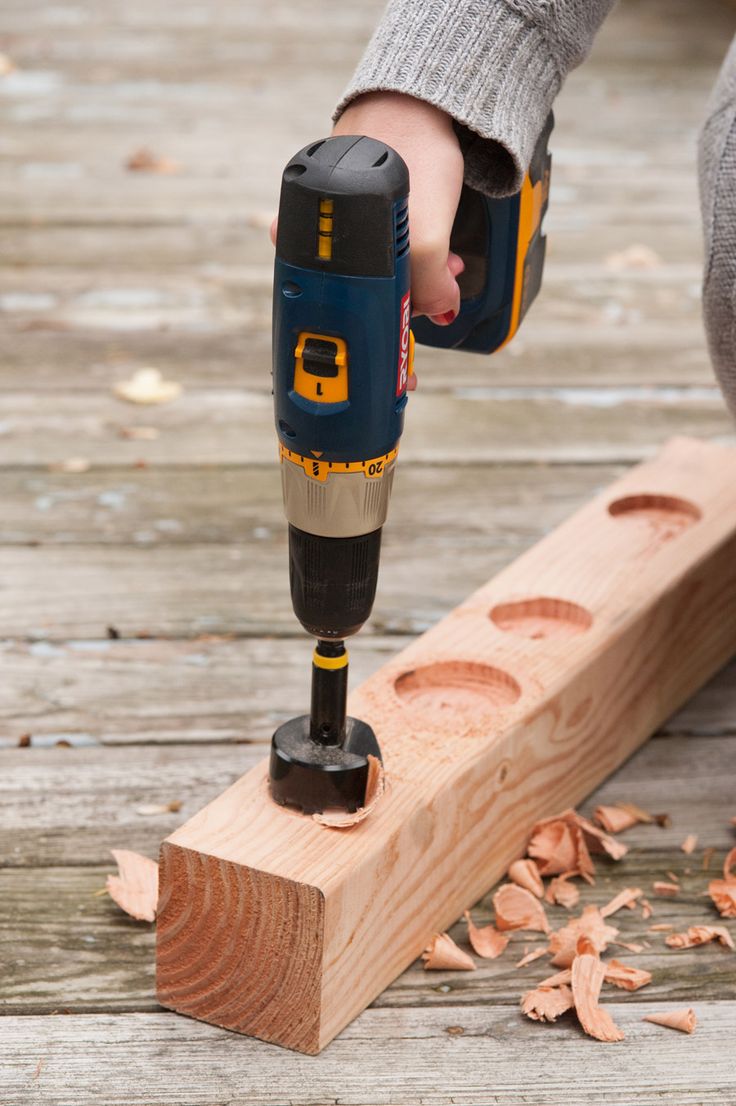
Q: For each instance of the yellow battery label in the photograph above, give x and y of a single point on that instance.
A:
(320, 470)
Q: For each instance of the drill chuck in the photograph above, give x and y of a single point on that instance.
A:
(333, 581)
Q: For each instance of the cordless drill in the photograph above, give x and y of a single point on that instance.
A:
(342, 359)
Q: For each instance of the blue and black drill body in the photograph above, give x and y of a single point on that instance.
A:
(342, 359)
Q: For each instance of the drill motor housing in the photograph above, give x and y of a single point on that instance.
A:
(341, 359)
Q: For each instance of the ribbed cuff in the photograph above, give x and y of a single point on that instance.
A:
(484, 63)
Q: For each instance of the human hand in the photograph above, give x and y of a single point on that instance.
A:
(424, 136)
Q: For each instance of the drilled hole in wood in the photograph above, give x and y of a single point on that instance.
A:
(453, 692)
(666, 515)
(542, 617)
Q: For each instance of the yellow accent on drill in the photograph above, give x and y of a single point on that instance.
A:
(324, 237)
(320, 470)
(530, 215)
(331, 663)
(321, 389)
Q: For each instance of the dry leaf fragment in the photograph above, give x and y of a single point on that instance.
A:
(139, 433)
(562, 892)
(590, 925)
(684, 1020)
(588, 973)
(517, 908)
(526, 874)
(626, 977)
(723, 891)
(71, 464)
(374, 790)
(545, 1004)
(699, 935)
(135, 889)
(627, 897)
(690, 843)
(485, 940)
(442, 954)
(147, 386)
(530, 957)
(666, 890)
(145, 161)
(614, 819)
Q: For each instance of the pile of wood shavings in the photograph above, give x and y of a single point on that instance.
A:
(562, 848)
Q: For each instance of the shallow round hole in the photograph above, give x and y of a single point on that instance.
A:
(542, 617)
(453, 693)
(668, 515)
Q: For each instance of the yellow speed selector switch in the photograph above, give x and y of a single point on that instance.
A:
(321, 368)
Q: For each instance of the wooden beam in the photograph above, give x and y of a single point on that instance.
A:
(516, 704)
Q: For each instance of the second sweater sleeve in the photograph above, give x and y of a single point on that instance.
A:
(495, 66)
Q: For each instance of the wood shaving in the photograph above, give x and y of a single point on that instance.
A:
(590, 925)
(684, 1020)
(135, 888)
(145, 161)
(707, 857)
(723, 891)
(627, 897)
(71, 464)
(630, 946)
(526, 874)
(599, 841)
(556, 980)
(485, 940)
(545, 1004)
(442, 954)
(661, 927)
(666, 890)
(588, 974)
(159, 808)
(147, 386)
(139, 433)
(626, 977)
(673, 876)
(561, 892)
(374, 791)
(558, 846)
(690, 843)
(517, 908)
(530, 957)
(699, 935)
(637, 257)
(7, 66)
(614, 819)
(646, 908)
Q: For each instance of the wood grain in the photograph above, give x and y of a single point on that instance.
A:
(385, 1058)
(482, 730)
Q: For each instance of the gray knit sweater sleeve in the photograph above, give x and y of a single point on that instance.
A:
(495, 66)
(717, 165)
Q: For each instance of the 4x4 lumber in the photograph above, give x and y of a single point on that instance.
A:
(518, 703)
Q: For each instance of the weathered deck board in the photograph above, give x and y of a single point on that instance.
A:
(104, 271)
(97, 793)
(385, 1058)
(67, 947)
(173, 691)
(234, 426)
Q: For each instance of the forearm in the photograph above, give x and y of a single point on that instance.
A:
(495, 66)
